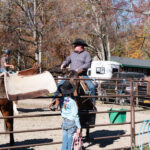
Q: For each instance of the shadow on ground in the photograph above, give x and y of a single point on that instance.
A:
(28, 142)
(103, 133)
(29, 110)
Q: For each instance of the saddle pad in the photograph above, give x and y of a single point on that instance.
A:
(23, 87)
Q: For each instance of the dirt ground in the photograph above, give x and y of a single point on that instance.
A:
(40, 106)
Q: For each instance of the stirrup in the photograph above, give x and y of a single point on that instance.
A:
(53, 108)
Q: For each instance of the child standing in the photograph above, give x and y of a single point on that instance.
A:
(69, 113)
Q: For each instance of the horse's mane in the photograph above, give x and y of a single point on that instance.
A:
(73, 73)
(56, 71)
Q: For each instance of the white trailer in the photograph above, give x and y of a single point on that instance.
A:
(103, 69)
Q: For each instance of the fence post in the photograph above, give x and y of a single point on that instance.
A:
(132, 114)
(117, 98)
(137, 98)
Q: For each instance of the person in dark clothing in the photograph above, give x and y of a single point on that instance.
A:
(80, 61)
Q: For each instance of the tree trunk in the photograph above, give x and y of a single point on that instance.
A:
(35, 34)
(108, 47)
(40, 53)
(103, 51)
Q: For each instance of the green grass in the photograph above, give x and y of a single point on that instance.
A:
(144, 148)
(51, 94)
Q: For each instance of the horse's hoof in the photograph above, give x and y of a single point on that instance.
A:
(50, 105)
(52, 109)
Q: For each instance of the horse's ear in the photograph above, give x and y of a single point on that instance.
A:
(36, 66)
(39, 65)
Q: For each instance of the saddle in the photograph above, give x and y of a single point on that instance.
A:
(24, 87)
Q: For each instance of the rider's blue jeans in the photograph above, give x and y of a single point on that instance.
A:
(92, 88)
(90, 84)
(69, 128)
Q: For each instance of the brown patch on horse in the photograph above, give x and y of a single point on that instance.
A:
(31, 71)
(29, 95)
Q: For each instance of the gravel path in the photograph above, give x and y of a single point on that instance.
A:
(39, 106)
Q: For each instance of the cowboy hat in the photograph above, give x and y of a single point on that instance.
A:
(79, 42)
(66, 88)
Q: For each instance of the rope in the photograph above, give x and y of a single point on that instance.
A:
(77, 142)
(146, 123)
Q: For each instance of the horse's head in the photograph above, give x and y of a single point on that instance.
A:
(73, 75)
(30, 71)
(36, 66)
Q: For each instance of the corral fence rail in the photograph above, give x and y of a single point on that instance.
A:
(110, 96)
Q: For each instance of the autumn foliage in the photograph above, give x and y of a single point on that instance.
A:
(42, 31)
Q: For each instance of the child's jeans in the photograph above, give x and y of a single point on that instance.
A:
(69, 128)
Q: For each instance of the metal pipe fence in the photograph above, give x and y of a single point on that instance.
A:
(130, 97)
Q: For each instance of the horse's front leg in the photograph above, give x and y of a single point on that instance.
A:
(7, 110)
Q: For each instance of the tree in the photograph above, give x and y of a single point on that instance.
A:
(102, 21)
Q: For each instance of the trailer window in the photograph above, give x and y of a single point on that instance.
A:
(115, 70)
(100, 70)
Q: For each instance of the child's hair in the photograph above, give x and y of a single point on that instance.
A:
(66, 95)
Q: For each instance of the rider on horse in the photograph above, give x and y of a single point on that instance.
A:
(80, 61)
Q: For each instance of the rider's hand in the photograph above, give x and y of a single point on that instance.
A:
(62, 66)
(12, 66)
(78, 131)
(79, 71)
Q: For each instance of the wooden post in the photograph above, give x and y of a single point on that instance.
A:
(148, 88)
(132, 114)
(137, 98)
(117, 99)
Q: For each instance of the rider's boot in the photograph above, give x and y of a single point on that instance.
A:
(51, 103)
(57, 103)
(54, 104)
